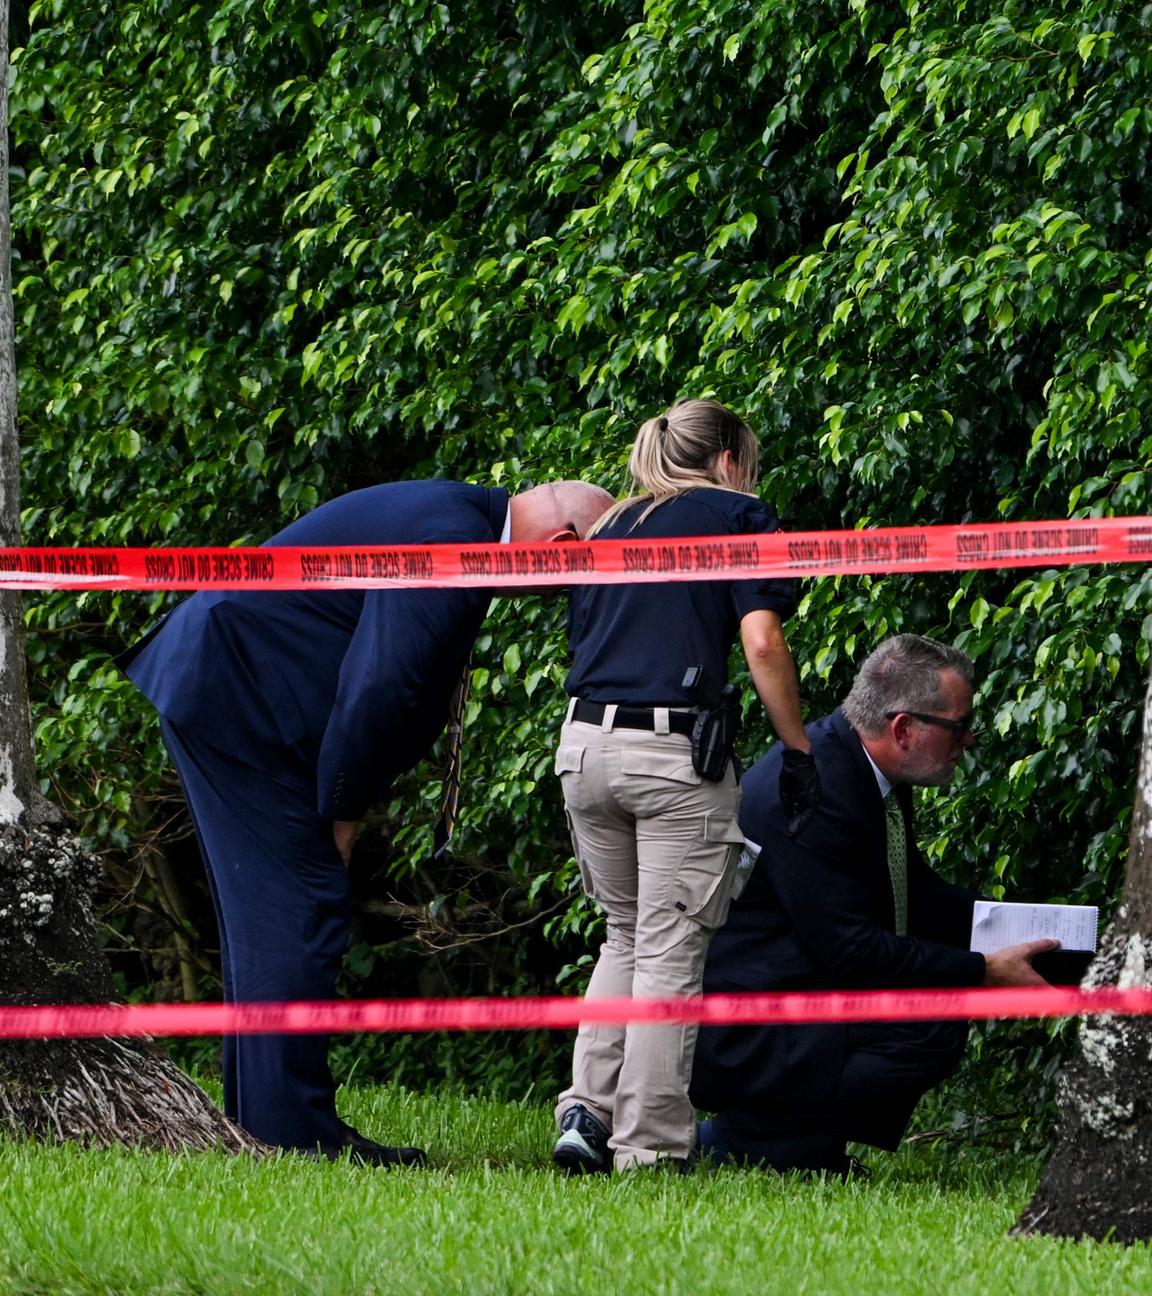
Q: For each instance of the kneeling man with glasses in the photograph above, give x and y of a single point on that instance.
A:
(843, 900)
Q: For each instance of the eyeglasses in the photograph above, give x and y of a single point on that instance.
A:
(957, 728)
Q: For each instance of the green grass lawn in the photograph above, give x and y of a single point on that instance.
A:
(492, 1217)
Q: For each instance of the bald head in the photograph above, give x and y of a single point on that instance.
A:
(562, 510)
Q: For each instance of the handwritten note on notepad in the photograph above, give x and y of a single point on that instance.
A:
(997, 924)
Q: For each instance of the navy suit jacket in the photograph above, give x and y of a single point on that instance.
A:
(358, 682)
(817, 914)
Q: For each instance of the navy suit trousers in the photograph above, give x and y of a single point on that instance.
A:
(888, 1067)
(281, 895)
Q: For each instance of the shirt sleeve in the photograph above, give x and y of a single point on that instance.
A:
(774, 594)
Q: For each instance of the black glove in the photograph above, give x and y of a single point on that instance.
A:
(799, 788)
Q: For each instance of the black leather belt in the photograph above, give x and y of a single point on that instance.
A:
(679, 722)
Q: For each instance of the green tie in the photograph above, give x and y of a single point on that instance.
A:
(897, 862)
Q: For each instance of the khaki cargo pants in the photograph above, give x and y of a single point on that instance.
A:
(657, 848)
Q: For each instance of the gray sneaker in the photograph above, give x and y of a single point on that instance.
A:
(582, 1147)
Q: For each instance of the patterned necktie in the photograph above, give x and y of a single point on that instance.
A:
(453, 754)
(897, 862)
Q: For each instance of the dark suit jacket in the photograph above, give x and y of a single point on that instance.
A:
(817, 914)
(358, 682)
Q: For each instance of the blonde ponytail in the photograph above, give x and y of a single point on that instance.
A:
(678, 451)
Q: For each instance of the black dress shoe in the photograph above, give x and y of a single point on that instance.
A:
(364, 1152)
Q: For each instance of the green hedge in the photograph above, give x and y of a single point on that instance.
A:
(267, 253)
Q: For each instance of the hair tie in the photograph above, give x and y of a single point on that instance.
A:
(662, 424)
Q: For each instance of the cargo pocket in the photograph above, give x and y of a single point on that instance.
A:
(570, 760)
(581, 864)
(703, 887)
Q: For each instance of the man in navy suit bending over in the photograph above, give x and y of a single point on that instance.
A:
(287, 715)
(845, 901)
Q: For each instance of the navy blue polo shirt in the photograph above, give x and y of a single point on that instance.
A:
(631, 644)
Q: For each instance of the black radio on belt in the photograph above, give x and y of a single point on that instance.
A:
(718, 718)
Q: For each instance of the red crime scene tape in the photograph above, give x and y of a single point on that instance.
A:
(799, 553)
(561, 1013)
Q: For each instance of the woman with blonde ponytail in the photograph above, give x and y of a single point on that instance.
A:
(658, 843)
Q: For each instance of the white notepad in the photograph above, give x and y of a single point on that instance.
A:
(997, 924)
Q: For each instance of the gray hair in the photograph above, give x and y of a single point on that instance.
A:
(903, 674)
(677, 451)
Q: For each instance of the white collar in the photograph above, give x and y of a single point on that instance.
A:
(506, 534)
(881, 778)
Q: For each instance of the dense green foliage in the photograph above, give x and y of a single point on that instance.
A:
(269, 253)
(490, 1217)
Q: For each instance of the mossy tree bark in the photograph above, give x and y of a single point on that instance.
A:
(1098, 1182)
(96, 1091)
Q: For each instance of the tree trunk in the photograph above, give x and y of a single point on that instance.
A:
(96, 1091)
(16, 769)
(1098, 1182)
